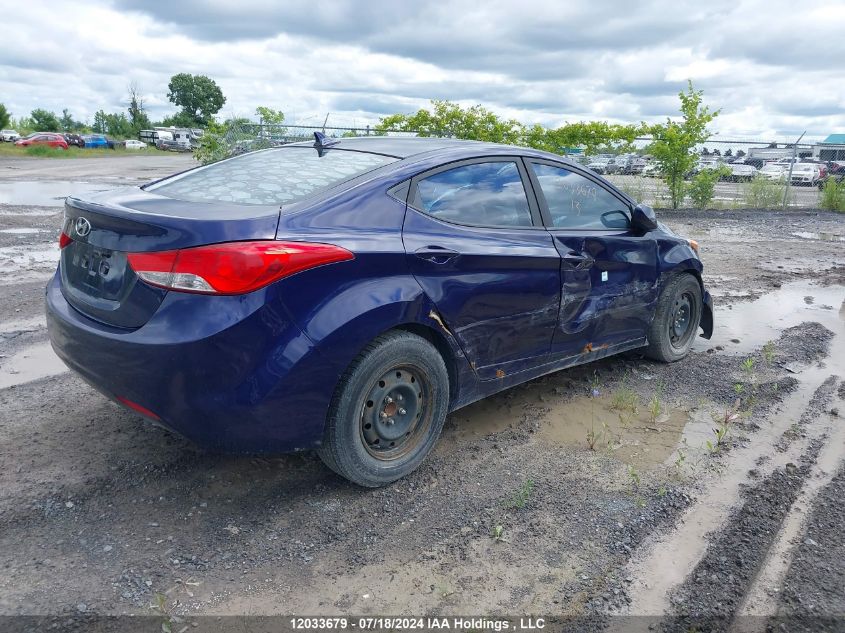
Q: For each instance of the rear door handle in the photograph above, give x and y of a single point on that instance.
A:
(436, 254)
(579, 260)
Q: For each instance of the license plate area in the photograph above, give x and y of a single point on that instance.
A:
(98, 272)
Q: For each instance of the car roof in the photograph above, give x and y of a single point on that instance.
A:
(408, 146)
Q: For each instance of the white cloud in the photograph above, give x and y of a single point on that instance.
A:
(773, 68)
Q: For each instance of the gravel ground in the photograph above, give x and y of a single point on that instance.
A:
(537, 500)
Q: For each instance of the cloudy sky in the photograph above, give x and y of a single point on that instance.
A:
(776, 68)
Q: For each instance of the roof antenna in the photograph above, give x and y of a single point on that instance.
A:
(322, 142)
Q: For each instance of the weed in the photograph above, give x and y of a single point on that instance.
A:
(748, 365)
(160, 606)
(624, 398)
(497, 532)
(762, 193)
(661, 492)
(739, 387)
(655, 406)
(634, 476)
(769, 352)
(723, 425)
(833, 195)
(682, 457)
(520, 497)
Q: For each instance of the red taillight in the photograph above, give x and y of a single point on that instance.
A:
(234, 267)
(64, 240)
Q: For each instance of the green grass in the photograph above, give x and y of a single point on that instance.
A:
(43, 151)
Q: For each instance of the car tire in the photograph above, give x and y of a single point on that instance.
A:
(676, 319)
(387, 411)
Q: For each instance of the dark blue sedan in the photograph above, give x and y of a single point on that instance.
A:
(347, 295)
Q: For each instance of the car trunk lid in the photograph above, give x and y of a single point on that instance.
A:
(96, 277)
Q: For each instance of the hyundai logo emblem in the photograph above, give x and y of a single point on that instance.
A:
(82, 227)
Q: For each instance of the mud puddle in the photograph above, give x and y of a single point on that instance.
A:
(32, 363)
(45, 194)
(744, 327)
(821, 235)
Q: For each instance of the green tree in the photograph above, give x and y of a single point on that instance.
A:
(118, 125)
(199, 97)
(5, 117)
(449, 119)
(269, 116)
(44, 120)
(137, 114)
(674, 142)
(100, 122)
(591, 136)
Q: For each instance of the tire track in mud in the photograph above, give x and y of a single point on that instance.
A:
(699, 574)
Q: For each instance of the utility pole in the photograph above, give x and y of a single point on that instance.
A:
(791, 165)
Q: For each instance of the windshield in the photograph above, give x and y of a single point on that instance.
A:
(276, 176)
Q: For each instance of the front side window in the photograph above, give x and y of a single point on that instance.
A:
(487, 194)
(576, 202)
(276, 176)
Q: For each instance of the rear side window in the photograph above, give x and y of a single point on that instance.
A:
(487, 194)
(277, 176)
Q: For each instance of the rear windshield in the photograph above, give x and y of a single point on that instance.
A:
(277, 176)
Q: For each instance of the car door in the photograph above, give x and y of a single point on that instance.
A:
(475, 243)
(608, 270)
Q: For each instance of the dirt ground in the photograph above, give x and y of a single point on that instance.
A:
(707, 492)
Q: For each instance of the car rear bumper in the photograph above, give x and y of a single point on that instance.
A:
(233, 374)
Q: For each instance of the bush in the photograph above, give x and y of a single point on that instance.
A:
(762, 193)
(703, 186)
(833, 195)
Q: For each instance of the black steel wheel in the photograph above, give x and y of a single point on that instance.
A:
(676, 319)
(388, 410)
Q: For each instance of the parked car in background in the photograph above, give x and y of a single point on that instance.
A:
(133, 144)
(74, 140)
(603, 165)
(806, 174)
(49, 139)
(98, 141)
(172, 145)
(740, 172)
(772, 171)
(9, 136)
(254, 285)
(630, 165)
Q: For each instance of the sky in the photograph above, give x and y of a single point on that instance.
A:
(775, 68)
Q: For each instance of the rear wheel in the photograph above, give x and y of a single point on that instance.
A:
(388, 410)
(676, 319)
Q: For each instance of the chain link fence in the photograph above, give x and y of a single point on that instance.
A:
(751, 173)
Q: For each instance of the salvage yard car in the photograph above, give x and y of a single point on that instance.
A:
(806, 174)
(49, 139)
(346, 295)
(9, 136)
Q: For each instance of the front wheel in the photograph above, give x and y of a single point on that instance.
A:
(387, 411)
(676, 320)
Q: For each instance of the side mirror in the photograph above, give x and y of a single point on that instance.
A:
(643, 218)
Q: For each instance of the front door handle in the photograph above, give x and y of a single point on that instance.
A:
(579, 260)
(436, 254)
